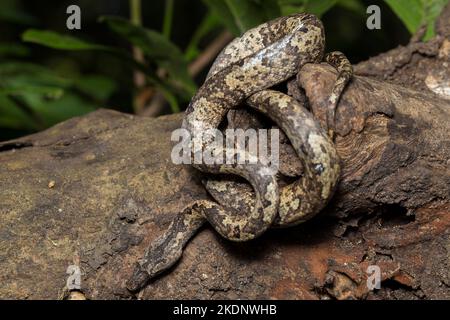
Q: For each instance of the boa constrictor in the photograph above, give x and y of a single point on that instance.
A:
(261, 58)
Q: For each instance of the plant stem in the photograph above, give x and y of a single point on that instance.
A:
(168, 17)
(138, 76)
(209, 53)
(157, 103)
(136, 12)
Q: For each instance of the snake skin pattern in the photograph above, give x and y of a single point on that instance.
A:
(261, 58)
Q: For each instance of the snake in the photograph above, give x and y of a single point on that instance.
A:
(244, 72)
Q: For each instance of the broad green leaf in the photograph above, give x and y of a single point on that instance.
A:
(18, 67)
(17, 73)
(58, 41)
(21, 78)
(63, 42)
(433, 9)
(48, 92)
(50, 97)
(157, 49)
(415, 13)
(54, 111)
(409, 11)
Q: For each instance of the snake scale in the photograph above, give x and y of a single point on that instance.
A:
(243, 72)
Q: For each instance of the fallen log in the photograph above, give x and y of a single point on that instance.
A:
(94, 191)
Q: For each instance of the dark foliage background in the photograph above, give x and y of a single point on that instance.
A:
(136, 57)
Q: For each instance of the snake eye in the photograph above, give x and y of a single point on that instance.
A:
(303, 29)
(319, 168)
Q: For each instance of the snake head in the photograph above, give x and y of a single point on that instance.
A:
(138, 280)
(161, 255)
(155, 262)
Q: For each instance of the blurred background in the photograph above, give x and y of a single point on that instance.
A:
(149, 57)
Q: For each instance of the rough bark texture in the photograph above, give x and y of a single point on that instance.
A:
(95, 191)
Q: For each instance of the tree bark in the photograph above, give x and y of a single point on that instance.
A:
(94, 191)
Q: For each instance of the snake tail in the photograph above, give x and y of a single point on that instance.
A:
(344, 68)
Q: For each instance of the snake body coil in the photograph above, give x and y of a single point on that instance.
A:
(261, 58)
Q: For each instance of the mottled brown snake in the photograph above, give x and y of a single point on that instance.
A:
(261, 58)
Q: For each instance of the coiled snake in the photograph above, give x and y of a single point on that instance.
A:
(261, 58)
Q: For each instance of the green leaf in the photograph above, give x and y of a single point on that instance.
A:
(48, 97)
(97, 87)
(157, 49)
(57, 41)
(168, 18)
(409, 11)
(240, 15)
(17, 73)
(13, 50)
(12, 117)
(415, 13)
(63, 42)
(432, 11)
(54, 111)
(48, 92)
(18, 79)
